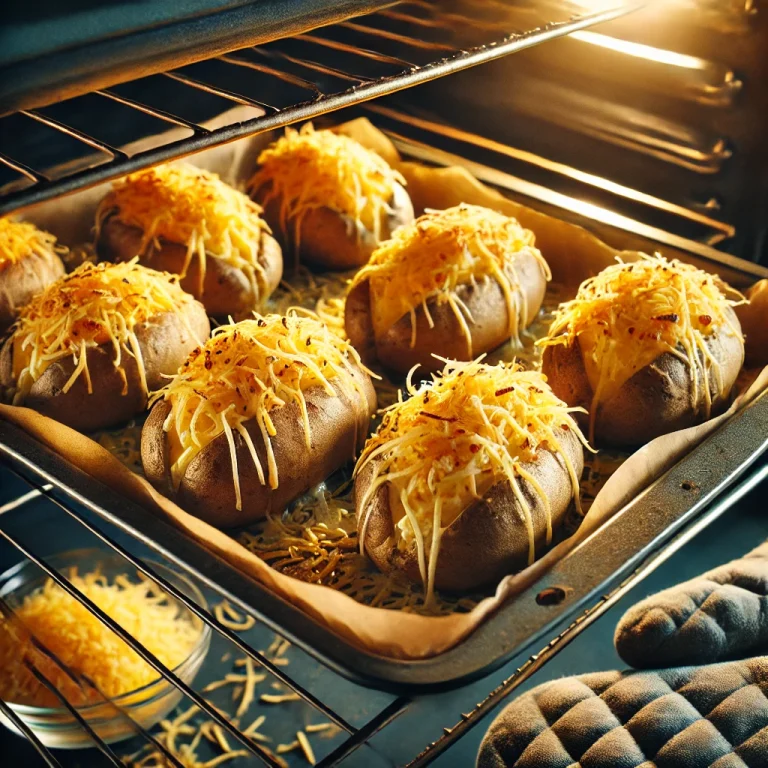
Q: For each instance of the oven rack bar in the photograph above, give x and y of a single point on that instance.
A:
(508, 686)
(374, 62)
(258, 657)
(358, 736)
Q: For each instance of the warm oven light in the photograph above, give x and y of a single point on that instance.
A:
(640, 51)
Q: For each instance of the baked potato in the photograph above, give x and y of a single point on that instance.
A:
(266, 409)
(455, 284)
(330, 200)
(467, 480)
(753, 316)
(89, 348)
(184, 220)
(646, 347)
(28, 263)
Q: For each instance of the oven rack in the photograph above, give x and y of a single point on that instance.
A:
(356, 736)
(52, 150)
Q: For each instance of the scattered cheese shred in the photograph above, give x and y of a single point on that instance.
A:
(228, 617)
(630, 313)
(457, 435)
(191, 207)
(80, 641)
(95, 305)
(244, 372)
(311, 169)
(19, 239)
(306, 747)
(442, 250)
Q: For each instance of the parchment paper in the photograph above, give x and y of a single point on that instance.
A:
(573, 255)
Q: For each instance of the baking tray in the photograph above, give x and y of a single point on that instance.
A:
(622, 551)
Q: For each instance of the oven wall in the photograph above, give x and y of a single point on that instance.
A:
(670, 102)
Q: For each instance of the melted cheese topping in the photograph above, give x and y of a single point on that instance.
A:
(311, 169)
(92, 306)
(245, 371)
(629, 314)
(77, 638)
(456, 436)
(19, 239)
(442, 250)
(192, 207)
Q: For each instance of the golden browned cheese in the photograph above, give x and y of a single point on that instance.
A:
(331, 200)
(456, 283)
(477, 432)
(88, 349)
(29, 261)
(182, 219)
(646, 347)
(258, 414)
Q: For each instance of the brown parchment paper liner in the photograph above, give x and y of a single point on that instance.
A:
(573, 255)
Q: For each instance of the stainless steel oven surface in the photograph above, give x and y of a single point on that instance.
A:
(642, 122)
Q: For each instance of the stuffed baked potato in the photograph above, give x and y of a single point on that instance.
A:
(456, 283)
(89, 348)
(266, 409)
(28, 263)
(646, 347)
(753, 315)
(184, 220)
(330, 200)
(469, 478)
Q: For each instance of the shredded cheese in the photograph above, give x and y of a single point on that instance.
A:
(630, 313)
(442, 250)
(95, 305)
(194, 208)
(80, 641)
(246, 371)
(470, 427)
(310, 169)
(19, 239)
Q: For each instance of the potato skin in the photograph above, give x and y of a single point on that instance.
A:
(754, 320)
(488, 540)
(165, 343)
(20, 281)
(655, 401)
(485, 301)
(328, 239)
(338, 425)
(226, 289)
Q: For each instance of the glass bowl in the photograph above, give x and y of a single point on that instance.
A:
(146, 706)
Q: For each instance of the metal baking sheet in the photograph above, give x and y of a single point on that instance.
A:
(625, 547)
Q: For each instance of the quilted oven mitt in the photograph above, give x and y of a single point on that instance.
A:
(714, 716)
(720, 615)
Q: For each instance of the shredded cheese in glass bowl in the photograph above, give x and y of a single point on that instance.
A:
(245, 371)
(19, 239)
(194, 208)
(95, 305)
(442, 250)
(309, 169)
(52, 634)
(468, 428)
(631, 313)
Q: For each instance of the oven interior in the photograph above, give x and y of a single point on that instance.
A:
(642, 121)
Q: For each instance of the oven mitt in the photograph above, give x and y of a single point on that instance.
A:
(692, 717)
(720, 615)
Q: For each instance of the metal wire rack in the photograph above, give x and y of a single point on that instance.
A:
(355, 737)
(56, 149)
